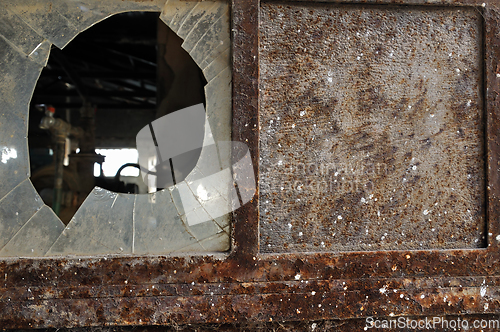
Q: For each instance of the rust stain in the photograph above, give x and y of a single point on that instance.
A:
(371, 128)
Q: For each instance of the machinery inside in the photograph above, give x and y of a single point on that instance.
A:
(92, 99)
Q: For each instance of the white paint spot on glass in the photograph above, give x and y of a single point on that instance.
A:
(202, 193)
(8, 153)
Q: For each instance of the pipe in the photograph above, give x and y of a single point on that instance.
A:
(59, 173)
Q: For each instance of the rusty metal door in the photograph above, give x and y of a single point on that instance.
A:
(373, 130)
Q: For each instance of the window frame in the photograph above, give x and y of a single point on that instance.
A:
(244, 285)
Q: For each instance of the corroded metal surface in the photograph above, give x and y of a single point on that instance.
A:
(146, 291)
(372, 133)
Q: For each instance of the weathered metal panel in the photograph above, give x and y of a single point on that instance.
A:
(372, 132)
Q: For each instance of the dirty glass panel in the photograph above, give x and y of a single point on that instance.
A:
(211, 40)
(14, 163)
(196, 15)
(102, 225)
(175, 12)
(85, 13)
(46, 22)
(371, 128)
(204, 24)
(17, 32)
(16, 208)
(218, 65)
(36, 236)
(19, 75)
(217, 104)
(219, 49)
(40, 53)
(157, 225)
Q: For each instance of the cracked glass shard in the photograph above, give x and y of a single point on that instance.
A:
(175, 12)
(212, 196)
(47, 23)
(218, 65)
(19, 76)
(18, 79)
(102, 225)
(36, 236)
(14, 163)
(194, 17)
(41, 53)
(18, 33)
(216, 243)
(214, 37)
(203, 25)
(222, 46)
(168, 148)
(85, 13)
(157, 225)
(219, 119)
(195, 247)
(16, 208)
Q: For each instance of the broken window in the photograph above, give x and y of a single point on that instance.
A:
(109, 221)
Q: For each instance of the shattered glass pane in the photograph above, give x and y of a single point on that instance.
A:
(16, 208)
(190, 214)
(36, 236)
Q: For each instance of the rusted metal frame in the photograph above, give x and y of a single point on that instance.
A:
(476, 3)
(295, 300)
(420, 285)
(115, 291)
(119, 290)
(463, 259)
(245, 31)
(492, 107)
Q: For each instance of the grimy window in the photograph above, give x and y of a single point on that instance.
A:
(189, 214)
(358, 150)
